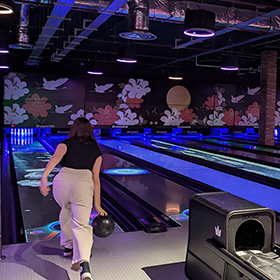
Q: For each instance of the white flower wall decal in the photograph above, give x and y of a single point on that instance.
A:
(221, 99)
(81, 114)
(248, 120)
(171, 117)
(215, 119)
(127, 118)
(277, 115)
(134, 89)
(123, 106)
(277, 118)
(14, 88)
(15, 115)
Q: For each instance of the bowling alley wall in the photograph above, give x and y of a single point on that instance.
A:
(48, 100)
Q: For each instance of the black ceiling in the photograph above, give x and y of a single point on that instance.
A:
(157, 56)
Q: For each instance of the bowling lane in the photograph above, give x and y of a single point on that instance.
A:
(268, 174)
(272, 151)
(40, 213)
(248, 154)
(165, 195)
(235, 152)
(253, 191)
(247, 139)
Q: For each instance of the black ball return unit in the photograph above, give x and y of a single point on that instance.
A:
(231, 238)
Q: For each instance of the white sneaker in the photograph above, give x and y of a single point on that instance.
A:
(86, 276)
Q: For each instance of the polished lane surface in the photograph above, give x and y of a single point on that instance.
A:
(244, 165)
(247, 152)
(253, 147)
(40, 214)
(246, 139)
(256, 192)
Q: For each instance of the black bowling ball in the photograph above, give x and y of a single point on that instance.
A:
(103, 226)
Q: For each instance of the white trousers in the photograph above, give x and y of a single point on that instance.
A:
(73, 191)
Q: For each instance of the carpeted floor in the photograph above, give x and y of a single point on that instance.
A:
(173, 271)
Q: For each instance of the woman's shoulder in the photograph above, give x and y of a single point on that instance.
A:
(67, 140)
(81, 141)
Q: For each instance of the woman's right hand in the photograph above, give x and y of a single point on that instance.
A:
(100, 211)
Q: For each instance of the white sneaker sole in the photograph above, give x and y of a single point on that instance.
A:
(86, 276)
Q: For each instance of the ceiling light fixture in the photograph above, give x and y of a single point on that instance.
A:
(126, 55)
(94, 73)
(4, 63)
(21, 46)
(138, 35)
(199, 23)
(4, 44)
(229, 68)
(5, 9)
(126, 60)
(229, 63)
(138, 22)
(94, 69)
(176, 76)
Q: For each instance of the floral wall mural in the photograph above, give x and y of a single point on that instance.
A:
(34, 100)
(37, 100)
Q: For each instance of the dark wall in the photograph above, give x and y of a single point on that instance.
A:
(205, 98)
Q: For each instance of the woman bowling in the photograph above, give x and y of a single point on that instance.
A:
(73, 189)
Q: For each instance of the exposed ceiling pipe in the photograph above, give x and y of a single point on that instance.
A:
(253, 3)
(160, 10)
(23, 29)
(163, 10)
(221, 48)
(58, 14)
(138, 22)
(113, 7)
(226, 30)
(250, 69)
(225, 16)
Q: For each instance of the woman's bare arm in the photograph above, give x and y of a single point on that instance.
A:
(54, 160)
(97, 187)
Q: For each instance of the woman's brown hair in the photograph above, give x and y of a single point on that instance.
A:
(82, 130)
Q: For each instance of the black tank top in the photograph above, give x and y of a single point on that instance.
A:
(80, 155)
